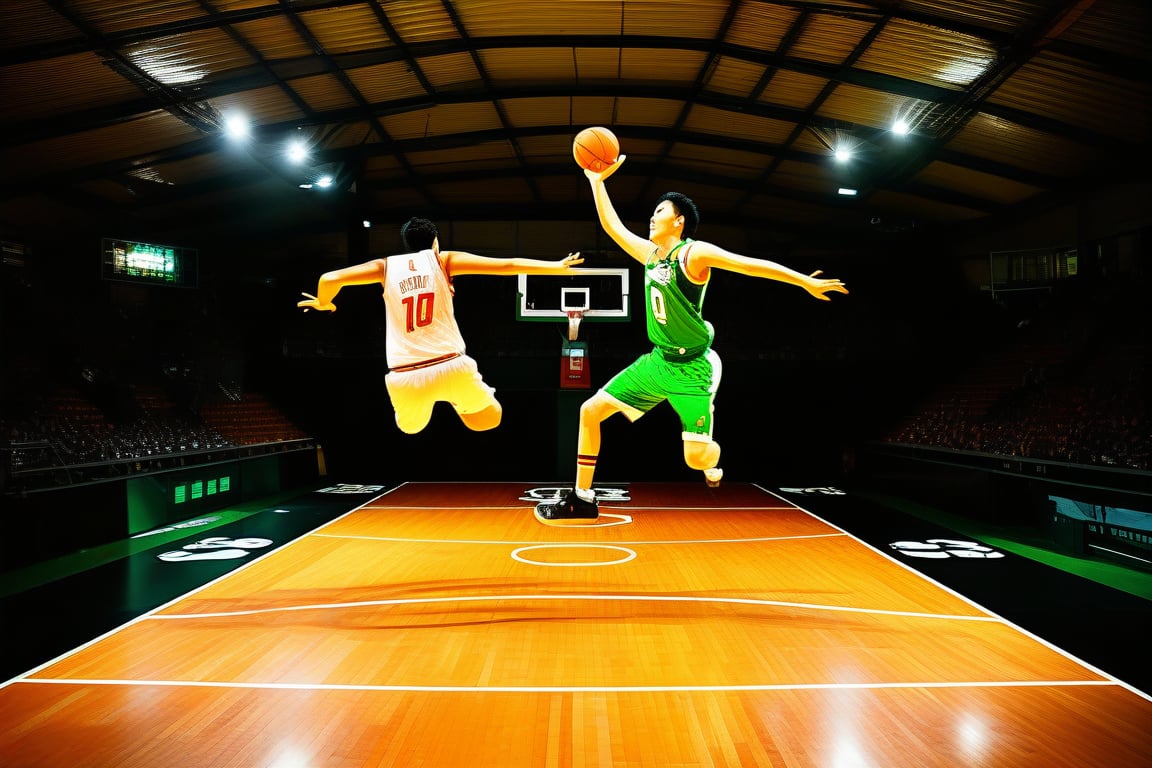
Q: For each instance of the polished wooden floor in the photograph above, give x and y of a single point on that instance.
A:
(442, 625)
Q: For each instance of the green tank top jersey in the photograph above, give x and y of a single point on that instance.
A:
(673, 308)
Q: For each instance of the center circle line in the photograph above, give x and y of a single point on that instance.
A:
(516, 555)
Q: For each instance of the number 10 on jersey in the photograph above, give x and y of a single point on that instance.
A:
(418, 310)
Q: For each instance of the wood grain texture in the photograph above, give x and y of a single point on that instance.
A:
(442, 625)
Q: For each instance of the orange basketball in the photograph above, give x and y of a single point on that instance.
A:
(595, 148)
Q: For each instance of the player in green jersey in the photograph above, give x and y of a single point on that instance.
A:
(682, 368)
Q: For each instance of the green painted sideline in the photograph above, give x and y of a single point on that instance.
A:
(36, 574)
(1026, 543)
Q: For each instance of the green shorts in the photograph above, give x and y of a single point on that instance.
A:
(689, 387)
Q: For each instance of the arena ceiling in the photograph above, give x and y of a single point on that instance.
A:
(118, 109)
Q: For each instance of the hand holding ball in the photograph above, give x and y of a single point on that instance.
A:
(595, 148)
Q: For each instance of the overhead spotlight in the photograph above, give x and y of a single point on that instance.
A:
(846, 191)
(900, 127)
(843, 155)
(297, 151)
(367, 224)
(321, 176)
(237, 126)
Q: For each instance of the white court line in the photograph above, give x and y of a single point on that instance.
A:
(526, 689)
(629, 554)
(577, 688)
(633, 598)
(964, 598)
(510, 542)
(250, 563)
(563, 689)
(711, 507)
(621, 507)
(400, 507)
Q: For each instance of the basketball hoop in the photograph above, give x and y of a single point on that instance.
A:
(574, 318)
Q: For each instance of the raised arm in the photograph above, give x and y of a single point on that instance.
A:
(703, 256)
(331, 283)
(635, 246)
(464, 263)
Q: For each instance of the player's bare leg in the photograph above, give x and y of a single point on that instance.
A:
(592, 414)
(705, 456)
(580, 502)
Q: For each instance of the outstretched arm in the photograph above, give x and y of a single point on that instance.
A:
(635, 246)
(331, 283)
(464, 263)
(704, 256)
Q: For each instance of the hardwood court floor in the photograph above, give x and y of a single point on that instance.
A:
(442, 625)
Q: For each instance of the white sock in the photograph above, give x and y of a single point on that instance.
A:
(586, 494)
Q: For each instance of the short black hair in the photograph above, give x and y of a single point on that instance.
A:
(684, 207)
(418, 234)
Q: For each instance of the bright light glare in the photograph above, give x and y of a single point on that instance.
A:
(972, 738)
(843, 155)
(237, 126)
(965, 70)
(367, 224)
(291, 758)
(848, 755)
(297, 151)
(900, 127)
(166, 65)
(324, 181)
(846, 191)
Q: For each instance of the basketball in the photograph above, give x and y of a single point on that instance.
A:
(595, 148)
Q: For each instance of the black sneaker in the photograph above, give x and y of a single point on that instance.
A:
(570, 507)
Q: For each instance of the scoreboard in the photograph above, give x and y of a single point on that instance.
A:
(148, 263)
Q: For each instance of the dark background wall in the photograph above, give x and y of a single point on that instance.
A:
(804, 381)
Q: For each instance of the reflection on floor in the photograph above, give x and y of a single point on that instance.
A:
(1099, 621)
(53, 607)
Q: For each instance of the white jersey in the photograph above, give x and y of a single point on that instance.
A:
(421, 322)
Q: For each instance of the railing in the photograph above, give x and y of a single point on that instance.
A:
(1119, 479)
(23, 477)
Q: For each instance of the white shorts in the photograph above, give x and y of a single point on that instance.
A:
(456, 382)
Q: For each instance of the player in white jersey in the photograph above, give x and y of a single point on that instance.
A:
(426, 358)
